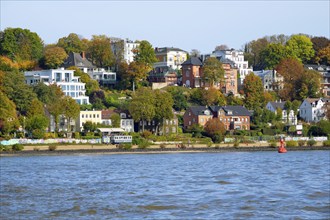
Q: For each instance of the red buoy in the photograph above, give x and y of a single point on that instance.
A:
(282, 149)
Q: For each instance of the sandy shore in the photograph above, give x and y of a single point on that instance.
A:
(32, 150)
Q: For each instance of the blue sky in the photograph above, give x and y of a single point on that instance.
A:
(188, 25)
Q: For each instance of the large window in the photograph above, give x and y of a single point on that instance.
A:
(58, 77)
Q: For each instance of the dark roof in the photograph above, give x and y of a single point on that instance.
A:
(75, 59)
(167, 49)
(236, 110)
(193, 61)
(199, 110)
(277, 105)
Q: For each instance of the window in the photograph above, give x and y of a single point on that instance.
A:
(187, 73)
(57, 77)
(67, 77)
(82, 116)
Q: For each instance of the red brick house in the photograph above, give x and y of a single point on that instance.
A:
(192, 72)
(233, 117)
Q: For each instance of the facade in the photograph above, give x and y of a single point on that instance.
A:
(273, 106)
(166, 127)
(65, 79)
(325, 72)
(163, 75)
(312, 110)
(170, 56)
(271, 80)
(230, 83)
(126, 121)
(191, 72)
(124, 48)
(106, 117)
(233, 117)
(84, 116)
(80, 61)
(103, 77)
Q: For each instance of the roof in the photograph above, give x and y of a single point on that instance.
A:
(236, 110)
(311, 100)
(167, 49)
(110, 130)
(192, 61)
(75, 59)
(277, 105)
(106, 114)
(199, 110)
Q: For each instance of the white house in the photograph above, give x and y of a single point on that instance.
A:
(103, 77)
(126, 122)
(126, 46)
(170, 57)
(65, 79)
(312, 110)
(271, 80)
(84, 116)
(273, 106)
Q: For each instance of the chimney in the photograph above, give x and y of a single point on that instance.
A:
(83, 55)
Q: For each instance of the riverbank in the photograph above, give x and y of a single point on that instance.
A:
(43, 150)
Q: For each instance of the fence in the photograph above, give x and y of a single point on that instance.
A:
(50, 141)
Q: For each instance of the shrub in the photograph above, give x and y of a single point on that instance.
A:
(216, 147)
(5, 148)
(272, 143)
(17, 147)
(144, 144)
(52, 147)
(311, 142)
(291, 143)
(126, 146)
(162, 146)
(38, 134)
(146, 134)
(301, 143)
(326, 143)
(209, 144)
(236, 143)
(36, 148)
(76, 135)
(49, 135)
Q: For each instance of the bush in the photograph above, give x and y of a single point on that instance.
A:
(292, 144)
(236, 143)
(5, 148)
(301, 143)
(216, 147)
(126, 146)
(17, 147)
(144, 144)
(209, 144)
(48, 135)
(272, 143)
(52, 147)
(36, 148)
(162, 146)
(76, 135)
(146, 134)
(311, 142)
(38, 134)
(326, 143)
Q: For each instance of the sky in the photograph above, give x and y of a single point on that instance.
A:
(188, 25)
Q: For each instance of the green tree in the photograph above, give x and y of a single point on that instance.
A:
(36, 123)
(54, 56)
(20, 44)
(136, 73)
(295, 106)
(72, 43)
(145, 54)
(253, 92)
(71, 109)
(99, 51)
(253, 53)
(273, 54)
(8, 117)
(300, 47)
(91, 84)
(213, 71)
(36, 108)
(179, 97)
(115, 120)
(55, 105)
(142, 105)
(89, 126)
(163, 107)
(288, 108)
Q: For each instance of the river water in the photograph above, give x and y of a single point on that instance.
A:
(234, 185)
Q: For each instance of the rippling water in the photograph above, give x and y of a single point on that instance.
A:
(256, 185)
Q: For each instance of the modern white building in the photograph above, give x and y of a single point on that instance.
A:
(126, 46)
(238, 58)
(126, 122)
(103, 77)
(273, 106)
(271, 80)
(170, 57)
(65, 79)
(312, 110)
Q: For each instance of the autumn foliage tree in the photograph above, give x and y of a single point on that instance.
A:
(215, 129)
(99, 51)
(54, 56)
(253, 92)
(72, 43)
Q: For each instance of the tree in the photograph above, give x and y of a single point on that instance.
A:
(195, 53)
(232, 100)
(36, 123)
(72, 43)
(273, 54)
(213, 96)
(215, 129)
(213, 71)
(300, 47)
(253, 91)
(54, 56)
(288, 108)
(71, 109)
(55, 105)
(142, 106)
(115, 120)
(136, 73)
(36, 108)
(163, 107)
(178, 96)
(89, 126)
(99, 51)
(323, 55)
(253, 53)
(145, 54)
(20, 44)
(221, 47)
(8, 117)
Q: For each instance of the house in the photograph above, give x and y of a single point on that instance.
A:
(273, 106)
(124, 48)
(106, 117)
(126, 121)
(104, 78)
(325, 72)
(65, 79)
(191, 72)
(170, 56)
(85, 116)
(237, 57)
(271, 80)
(230, 81)
(166, 127)
(233, 117)
(312, 110)
(78, 60)
(163, 75)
